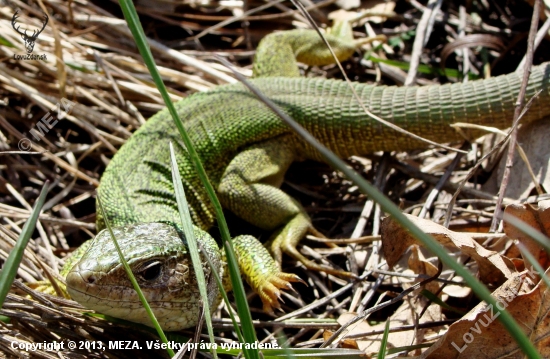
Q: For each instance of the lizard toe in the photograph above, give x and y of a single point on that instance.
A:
(269, 290)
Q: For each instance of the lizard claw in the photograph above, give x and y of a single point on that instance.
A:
(269, 290)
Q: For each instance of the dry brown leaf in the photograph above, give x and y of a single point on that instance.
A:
(404, 315)
(480, 333)
(457, 291)
(419, 264)
(537, 217)
(493, 268)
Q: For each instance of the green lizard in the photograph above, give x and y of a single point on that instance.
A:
(246, 151)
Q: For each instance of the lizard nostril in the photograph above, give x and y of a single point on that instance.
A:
(91, 279)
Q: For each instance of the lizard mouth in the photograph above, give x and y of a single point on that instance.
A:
(83, 288)
(122, 302)
(92, 295)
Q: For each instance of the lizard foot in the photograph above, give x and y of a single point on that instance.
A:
(286, 239)
(261, 272)
(54, 287)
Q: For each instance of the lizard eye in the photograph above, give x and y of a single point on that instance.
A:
(151, 270)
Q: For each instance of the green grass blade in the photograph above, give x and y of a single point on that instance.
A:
(425, 69)
(9, 270)
(187, 226)
(384, 342)
(236, 326)
(282, 340)
(5, 42)
(309, 353)
(372, 192)
(135, 284)
(249, 332)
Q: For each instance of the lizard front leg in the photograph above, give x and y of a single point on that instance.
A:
(261, 272)
(249, 188)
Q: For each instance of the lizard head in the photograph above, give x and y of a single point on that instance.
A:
(162, 266)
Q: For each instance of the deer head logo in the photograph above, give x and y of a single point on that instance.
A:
(29, 39)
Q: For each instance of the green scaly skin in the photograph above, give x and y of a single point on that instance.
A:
(246, 150)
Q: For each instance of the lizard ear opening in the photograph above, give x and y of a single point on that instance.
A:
(151, 270)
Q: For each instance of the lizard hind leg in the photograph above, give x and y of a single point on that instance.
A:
(249, 188)
(278, 53)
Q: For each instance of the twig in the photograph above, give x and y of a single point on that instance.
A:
(423, 31)
(369, 205)
(380, 306)
(465, 51)
(435, 191)
(517, 112)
